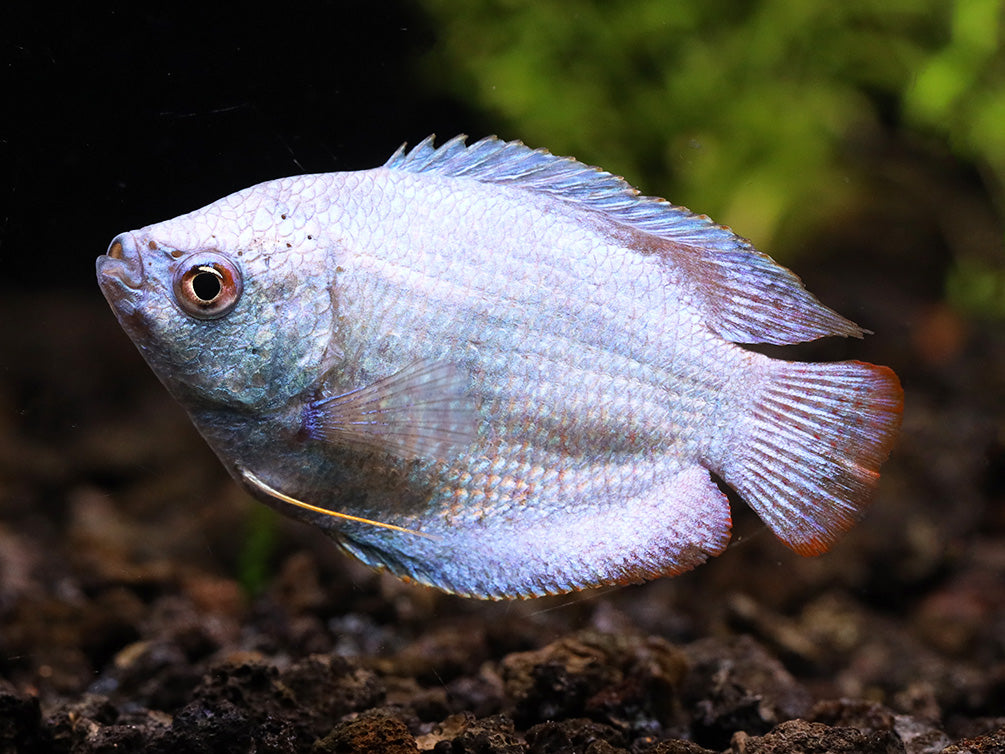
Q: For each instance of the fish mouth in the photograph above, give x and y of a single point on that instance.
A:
(121, 266)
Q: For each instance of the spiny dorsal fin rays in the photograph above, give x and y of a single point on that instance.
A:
(261, 486)
(493, 160)
(745, 296)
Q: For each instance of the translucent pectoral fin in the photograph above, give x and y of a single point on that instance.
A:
(423, 411)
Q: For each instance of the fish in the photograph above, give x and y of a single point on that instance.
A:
(500, 372)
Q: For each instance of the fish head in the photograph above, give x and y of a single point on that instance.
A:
(223, 324)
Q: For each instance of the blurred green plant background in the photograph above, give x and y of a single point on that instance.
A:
(750, 112)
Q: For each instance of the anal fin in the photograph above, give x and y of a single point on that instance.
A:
(665, 529)
(599, 536)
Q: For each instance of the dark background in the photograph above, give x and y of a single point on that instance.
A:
(119, 118)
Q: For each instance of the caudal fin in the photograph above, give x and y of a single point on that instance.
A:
(809, 461)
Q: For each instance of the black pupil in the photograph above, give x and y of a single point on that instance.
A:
(206, 285)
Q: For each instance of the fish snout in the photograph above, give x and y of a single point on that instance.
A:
(121, 263)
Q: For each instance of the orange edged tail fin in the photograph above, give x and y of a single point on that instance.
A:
(810, 458)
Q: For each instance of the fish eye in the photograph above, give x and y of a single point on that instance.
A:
(207, 285)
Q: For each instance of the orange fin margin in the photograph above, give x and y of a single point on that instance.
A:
(810, 457)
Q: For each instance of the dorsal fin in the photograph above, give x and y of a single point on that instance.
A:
(745, 295)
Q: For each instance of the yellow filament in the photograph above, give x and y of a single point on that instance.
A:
(324, 511)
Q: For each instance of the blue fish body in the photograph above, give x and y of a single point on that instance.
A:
(500, 372)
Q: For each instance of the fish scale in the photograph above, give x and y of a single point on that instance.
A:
(570, 351)
(500, 372)
(400, 278)
(491, 270)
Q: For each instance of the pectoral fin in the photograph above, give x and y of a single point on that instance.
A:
(423, 411)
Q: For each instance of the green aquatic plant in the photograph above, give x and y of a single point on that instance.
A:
(752, 112)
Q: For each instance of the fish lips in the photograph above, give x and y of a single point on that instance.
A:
(121, 276)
